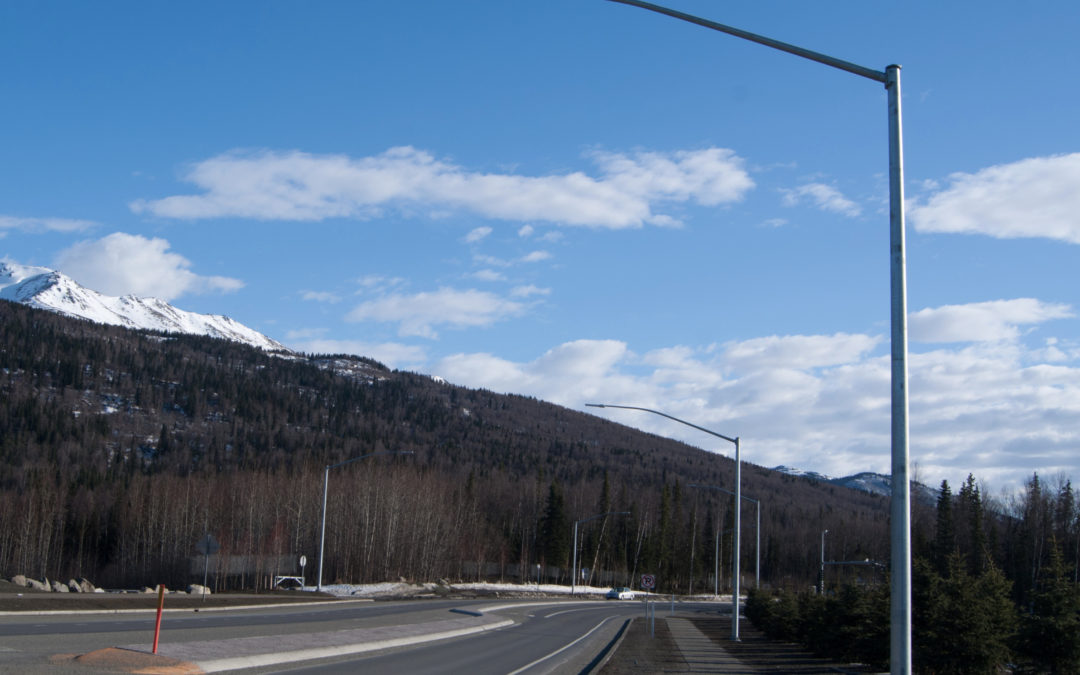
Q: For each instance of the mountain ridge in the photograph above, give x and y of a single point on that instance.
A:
(866, 481)
(44, 288)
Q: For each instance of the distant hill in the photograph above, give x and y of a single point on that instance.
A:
(122, 448)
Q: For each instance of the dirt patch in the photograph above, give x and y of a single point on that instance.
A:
(128, 661)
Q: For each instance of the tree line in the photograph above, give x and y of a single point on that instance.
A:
(990, 591)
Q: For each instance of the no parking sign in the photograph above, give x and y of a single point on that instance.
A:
(648, 581)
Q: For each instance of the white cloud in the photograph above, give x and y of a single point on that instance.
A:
(491, 260)
(376, 283)
(419, 314)
(526, 231)
(799, 351)
(487, 275)
(529, 291)
(824, 197)
(126, 264)
(822, 402)
(982, 321)
(44, 224)
(536, 256)
(477, 234)
(320, 296)
(1037, 197)
(583, 368)
(300, 186)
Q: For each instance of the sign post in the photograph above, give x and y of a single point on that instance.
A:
(207, 546)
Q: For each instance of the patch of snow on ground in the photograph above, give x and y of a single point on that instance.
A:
(402, 589)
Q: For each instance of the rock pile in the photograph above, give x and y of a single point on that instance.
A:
(81, 585)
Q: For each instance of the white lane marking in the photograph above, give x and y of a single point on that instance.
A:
(568, 611)
(558, 651)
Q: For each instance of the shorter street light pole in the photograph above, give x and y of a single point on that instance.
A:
(574, 570)
(757, 529)
(738, 504)
(326, 485)
(821, 574)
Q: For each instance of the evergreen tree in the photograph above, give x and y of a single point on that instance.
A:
(555, 533)
(945, 537)
(976, 550)
(1050, 633)
(962, 624)
(1067, 528)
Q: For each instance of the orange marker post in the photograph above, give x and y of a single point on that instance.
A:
(160, 607)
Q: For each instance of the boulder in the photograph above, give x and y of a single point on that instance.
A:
(37, 585)
(60, 587)
(196, 589)
(73, 586)
(19, 580)
(86, 586)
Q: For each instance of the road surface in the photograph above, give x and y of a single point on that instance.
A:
(496, 636)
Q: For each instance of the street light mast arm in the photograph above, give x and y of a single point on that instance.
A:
(862, 71)
(601, 515)
(657, 412)
(720, 489)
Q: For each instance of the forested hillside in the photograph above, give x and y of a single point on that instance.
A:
(120, 449)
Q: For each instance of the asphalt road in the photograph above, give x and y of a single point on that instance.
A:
(549, 639)
(559, 636)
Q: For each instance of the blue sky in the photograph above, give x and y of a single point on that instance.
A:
(587, 202)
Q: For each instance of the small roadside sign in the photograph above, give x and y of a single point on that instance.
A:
(208, 545)
(648, 581)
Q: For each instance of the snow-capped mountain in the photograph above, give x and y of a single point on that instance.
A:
(812, 475)
(867, 481)
(48, 289)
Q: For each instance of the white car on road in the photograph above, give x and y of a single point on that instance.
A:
(620, 593)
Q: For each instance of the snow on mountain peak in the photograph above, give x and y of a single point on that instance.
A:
(48, 289)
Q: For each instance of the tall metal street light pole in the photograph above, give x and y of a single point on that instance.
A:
(757, 529)
(738, 505)
(326, 484)
(574, 569)
(900, 508)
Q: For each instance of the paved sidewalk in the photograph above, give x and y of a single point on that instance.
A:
(700, 652)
